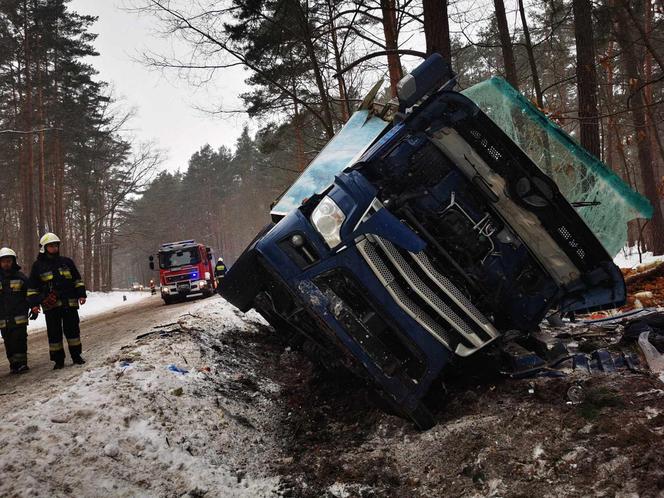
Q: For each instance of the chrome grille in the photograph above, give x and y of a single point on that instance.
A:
(450, 289)
(377, 252)
(380, 269)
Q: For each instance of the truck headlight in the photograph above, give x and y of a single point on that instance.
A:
(328, 219)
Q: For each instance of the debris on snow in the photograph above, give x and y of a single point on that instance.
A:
(255, 416)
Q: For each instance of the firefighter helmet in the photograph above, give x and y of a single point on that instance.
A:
(6, 252)
(48, 238)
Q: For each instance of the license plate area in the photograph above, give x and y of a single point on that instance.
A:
(184, 287)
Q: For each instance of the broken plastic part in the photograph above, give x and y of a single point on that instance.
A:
(654, 358)
(608, 203)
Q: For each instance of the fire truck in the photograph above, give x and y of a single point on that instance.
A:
(186, 269)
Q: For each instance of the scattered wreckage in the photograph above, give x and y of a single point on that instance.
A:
(422, 234)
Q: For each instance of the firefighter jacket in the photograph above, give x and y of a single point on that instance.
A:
(54, 282)
(220, 269)
(13, 294)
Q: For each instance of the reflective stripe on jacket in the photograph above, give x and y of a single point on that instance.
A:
(13, 298)
(57, 275)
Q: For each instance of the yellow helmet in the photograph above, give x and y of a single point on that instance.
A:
(7, 252)
(47, 238)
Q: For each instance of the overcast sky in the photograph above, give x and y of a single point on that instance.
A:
(164, 104)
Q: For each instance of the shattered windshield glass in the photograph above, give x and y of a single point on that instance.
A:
(610, 202)
(357, 134)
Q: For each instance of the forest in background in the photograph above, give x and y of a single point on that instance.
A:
(594, 67)
(66, 164)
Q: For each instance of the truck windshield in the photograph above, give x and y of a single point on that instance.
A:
(181, 257)
(580, 176)
(354, 138)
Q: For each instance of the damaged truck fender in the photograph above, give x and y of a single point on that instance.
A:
(242, 285)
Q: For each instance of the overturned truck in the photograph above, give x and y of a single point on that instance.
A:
(427, 228)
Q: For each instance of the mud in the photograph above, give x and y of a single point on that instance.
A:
(495, 436)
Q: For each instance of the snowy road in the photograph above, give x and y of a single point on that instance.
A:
(101, 335)
(125, 424)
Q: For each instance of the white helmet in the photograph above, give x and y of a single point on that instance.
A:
(47, 238)
(7, 252)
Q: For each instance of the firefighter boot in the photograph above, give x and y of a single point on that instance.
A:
(78, 359)
(23, 368)
(59, 364)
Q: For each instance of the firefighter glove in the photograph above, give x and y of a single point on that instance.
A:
(50, 300)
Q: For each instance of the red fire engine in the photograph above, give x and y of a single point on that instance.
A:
(186, 269)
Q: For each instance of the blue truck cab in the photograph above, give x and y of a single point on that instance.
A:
(415, 241)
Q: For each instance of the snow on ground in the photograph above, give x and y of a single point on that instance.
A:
(97, 303)
(134, 427)
(252, 416)
(628, 257)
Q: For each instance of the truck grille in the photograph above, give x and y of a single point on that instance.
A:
(414, 284)
(171, 279)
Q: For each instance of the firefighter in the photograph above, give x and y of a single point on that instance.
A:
(219, 271)
(14, 311)
(56, 284)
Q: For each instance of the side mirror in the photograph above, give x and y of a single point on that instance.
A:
(151, 258)
(151, 265)
(428, 77)
(209, 253)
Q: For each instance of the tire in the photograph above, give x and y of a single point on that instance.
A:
(245, 278)
(168, 300)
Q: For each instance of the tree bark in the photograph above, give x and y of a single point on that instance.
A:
(389, 19)
(506, 44)
(586, 77)
(437, 28)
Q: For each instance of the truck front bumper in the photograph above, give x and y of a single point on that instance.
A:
(193, 289)
(381, 340)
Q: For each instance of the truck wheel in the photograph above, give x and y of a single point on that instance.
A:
(167, 300)
(245, 278)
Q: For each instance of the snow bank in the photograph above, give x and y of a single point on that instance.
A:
(134, 427)
(628, 257)
(97, 303)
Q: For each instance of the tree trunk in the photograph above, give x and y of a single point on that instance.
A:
(388, 9)
(506, 44)
(28, 219)
(42, 162)
(531, 57)
(648, 177)
(87, 243)
(586, 77)
(343, 95)
(58, 188)
(437, 28)
(318, 75)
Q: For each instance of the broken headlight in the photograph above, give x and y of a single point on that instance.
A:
(328, 219)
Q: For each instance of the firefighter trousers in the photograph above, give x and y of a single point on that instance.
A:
(16, 345)
(59, 321)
